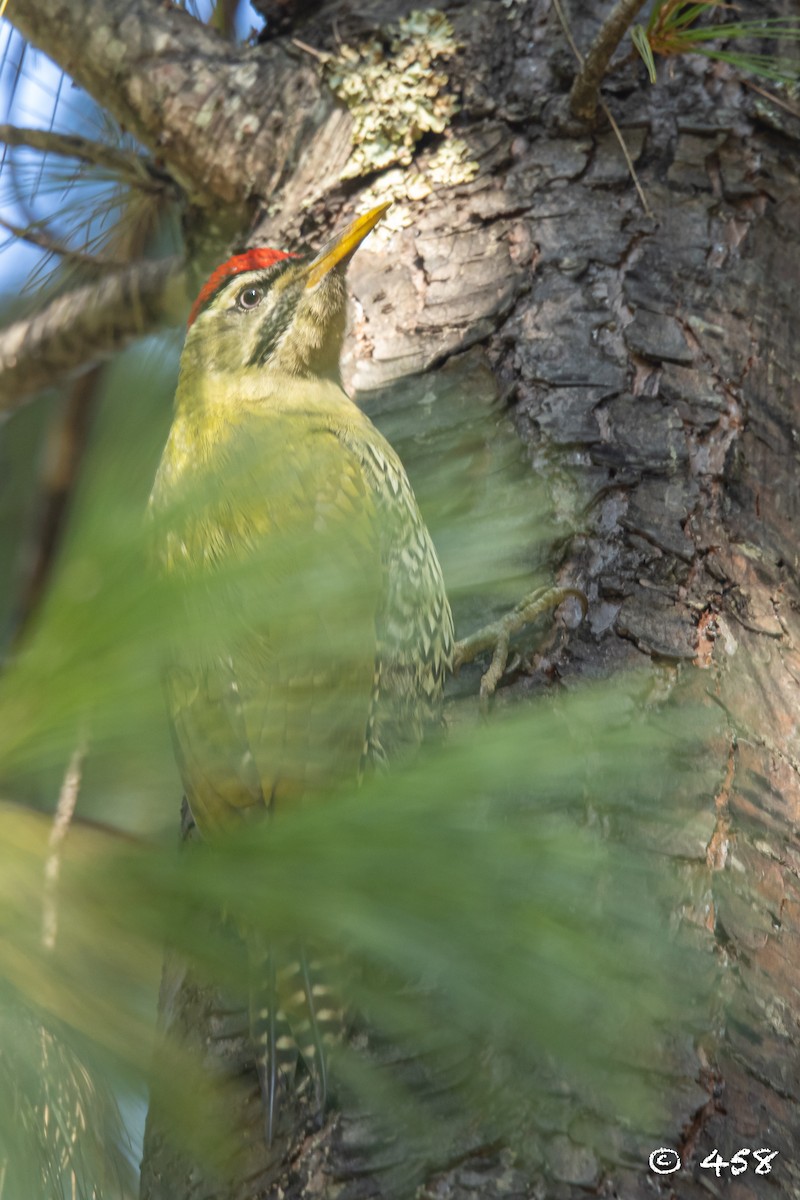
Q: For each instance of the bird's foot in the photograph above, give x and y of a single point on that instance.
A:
(497, 635)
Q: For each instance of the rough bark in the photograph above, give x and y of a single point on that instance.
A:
(654, 362)
(651, 370)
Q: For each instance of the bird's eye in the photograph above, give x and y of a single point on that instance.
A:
(249, 297)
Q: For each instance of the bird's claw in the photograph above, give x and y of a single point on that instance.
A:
(497, 635)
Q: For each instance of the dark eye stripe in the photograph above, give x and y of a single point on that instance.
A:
(276, 325)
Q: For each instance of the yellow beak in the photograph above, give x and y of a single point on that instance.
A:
(344, 245)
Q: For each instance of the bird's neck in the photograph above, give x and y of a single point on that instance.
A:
(211, 398)
(212, 407)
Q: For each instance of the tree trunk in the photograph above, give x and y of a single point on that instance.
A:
(650, 368)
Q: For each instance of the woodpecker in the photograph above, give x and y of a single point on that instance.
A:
(279, 501)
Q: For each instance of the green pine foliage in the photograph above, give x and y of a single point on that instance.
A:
(502, 901)
(681, 27)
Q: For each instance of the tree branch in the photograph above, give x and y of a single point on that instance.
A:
(67, 437)
(45, 241)
(86, 325)
(584, 94)
(226, 120)
(126, 165)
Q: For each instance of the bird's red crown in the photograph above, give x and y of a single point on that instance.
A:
(252, 260)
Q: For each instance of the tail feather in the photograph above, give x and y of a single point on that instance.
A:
(312, 1044)
(273, 1048)
(293, 1019)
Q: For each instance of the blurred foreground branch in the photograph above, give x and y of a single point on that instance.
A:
(65, 809)
(86, 325)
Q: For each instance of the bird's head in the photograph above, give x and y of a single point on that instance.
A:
(278, 311)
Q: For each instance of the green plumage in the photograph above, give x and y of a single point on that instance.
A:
(318, 632)
(312, 507)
